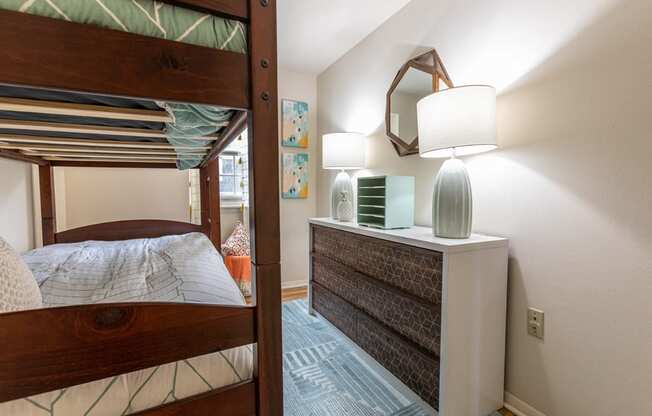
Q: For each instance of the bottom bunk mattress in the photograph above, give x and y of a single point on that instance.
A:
(183, 268)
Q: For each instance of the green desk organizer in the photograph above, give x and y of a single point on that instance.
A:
(386, 202)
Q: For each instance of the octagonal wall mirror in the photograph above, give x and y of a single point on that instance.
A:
(419, 77)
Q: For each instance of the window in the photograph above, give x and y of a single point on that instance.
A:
(234, 179)
(230, 176)
(234, 170)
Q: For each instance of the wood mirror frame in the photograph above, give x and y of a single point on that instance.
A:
(430, 63)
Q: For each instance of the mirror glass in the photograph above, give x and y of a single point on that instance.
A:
(413, 86)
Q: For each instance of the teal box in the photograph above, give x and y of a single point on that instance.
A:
(386, 201)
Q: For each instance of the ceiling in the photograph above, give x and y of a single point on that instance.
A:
(313, 34)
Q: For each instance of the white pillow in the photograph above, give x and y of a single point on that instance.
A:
(18, 288)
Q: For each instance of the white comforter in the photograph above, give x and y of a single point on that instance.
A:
(176, 268)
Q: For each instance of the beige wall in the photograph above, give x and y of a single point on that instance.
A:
(91, 196)
(16, 204)
(100, 195)
(229, 217)
(571, 185)
(295, 212)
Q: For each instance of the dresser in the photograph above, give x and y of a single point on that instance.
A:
(432, 311)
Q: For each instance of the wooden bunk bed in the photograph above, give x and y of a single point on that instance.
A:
(103, 340)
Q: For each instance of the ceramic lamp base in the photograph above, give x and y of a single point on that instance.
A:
(452, 202)
(342, 184)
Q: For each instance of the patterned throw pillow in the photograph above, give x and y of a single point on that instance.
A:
(18, 288)
(238, 242)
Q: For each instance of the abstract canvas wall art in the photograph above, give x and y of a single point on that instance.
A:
(295, 124)
(295, 176)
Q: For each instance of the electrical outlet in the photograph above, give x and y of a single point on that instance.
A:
(535, 321)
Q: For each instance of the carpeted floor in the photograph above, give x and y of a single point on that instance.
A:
(325, 374)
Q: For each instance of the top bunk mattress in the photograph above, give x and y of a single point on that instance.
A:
(144, 17)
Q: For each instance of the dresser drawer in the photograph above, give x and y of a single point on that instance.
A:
(335, 244)
(419, 371)
(412, 317)
(412, 269)
(336, 310)
(336, 277)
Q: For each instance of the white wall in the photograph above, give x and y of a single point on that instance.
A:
(295, 212)
(92, 196)
(16, 204)
(229, 217)
(96, 195)
(571, 185)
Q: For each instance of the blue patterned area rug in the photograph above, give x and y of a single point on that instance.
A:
(325, 374)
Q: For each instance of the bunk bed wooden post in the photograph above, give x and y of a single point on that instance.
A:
(264, 204)
(48, 208)
(210, 202)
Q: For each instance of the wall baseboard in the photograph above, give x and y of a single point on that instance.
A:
(293, 284)
(519, 407)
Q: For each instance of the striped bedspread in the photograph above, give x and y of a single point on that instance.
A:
(175, 268)
(183, 268)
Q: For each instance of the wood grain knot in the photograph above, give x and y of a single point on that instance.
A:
(111, 318)
(169, 61)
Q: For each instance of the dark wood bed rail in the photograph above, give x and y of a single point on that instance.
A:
(38, 51)
(231, 9)
(126, 230)
(49, 349)
(232, 401)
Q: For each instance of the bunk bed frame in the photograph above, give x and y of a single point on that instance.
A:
(49, 349)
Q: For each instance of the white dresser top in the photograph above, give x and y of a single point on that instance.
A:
(417, 236)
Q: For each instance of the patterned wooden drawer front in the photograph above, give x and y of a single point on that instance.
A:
(410, 316)
(415, 270)
(336, 277)
(414, 368)
(336, 244)
(336, 310)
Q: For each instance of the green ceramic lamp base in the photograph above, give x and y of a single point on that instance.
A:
(452, 201)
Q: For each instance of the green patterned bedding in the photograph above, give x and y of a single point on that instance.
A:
(144, 17)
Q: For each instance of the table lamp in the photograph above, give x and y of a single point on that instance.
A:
(342, 151)
(458, 121)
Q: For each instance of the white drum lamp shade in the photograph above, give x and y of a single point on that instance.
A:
(342, 151)
(460, 118)
(455, 122)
